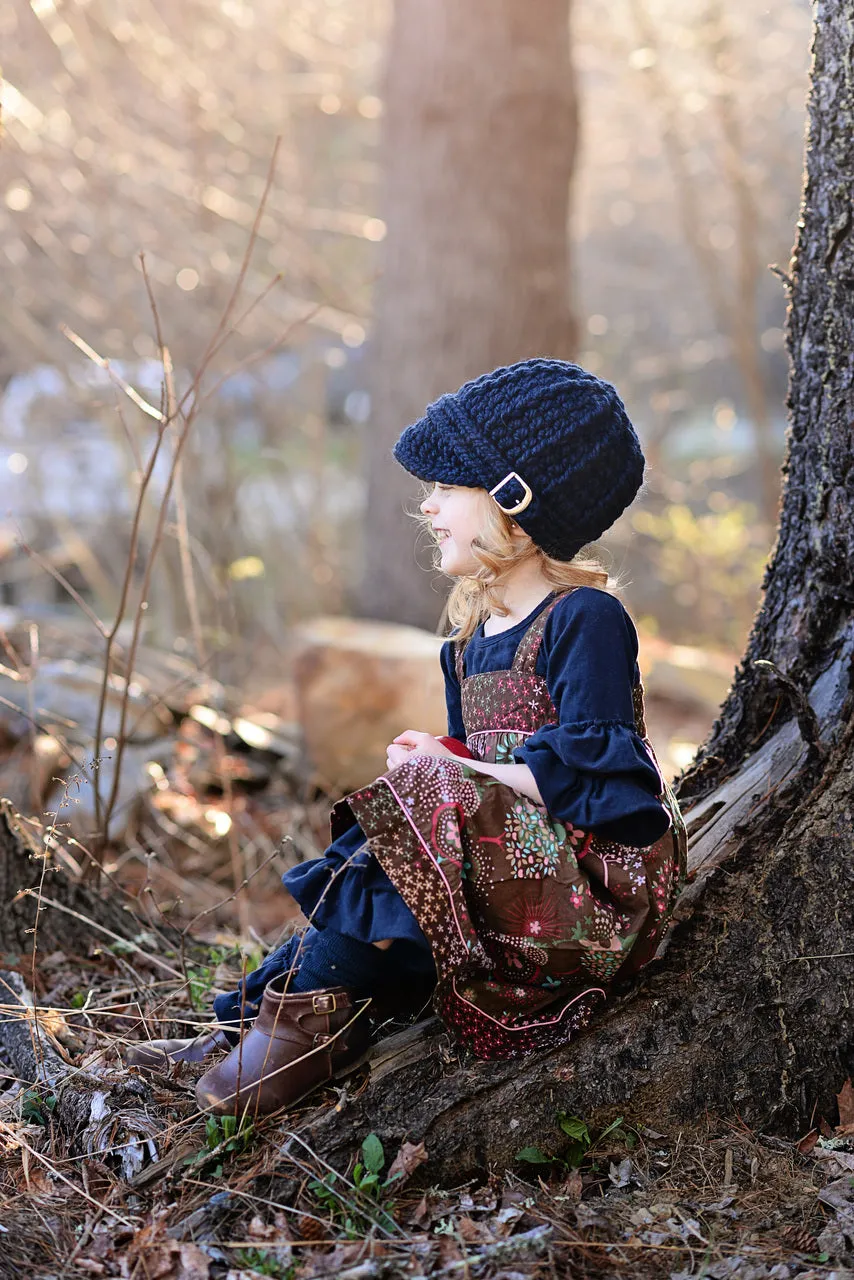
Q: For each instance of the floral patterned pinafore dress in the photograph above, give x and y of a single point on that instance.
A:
(530, 919)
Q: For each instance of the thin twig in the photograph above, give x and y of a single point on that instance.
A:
(93, 924)
(121, 736)
(132, 445)
(65, 584)
(242, 270)
(830, 955)
(188, 419)
(259, 355)
(101, 819)
(216, 907)
(103, 363)
(265, 292)
(31, 708)
(172, 412)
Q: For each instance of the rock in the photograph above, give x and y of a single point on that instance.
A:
(359, 684)
(837, 1238)
(63, 698)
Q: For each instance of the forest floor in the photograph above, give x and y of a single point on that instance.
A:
(199, 1197)
(192, 1198)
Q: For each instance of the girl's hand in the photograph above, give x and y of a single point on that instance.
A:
(411, 742)
(395, 755)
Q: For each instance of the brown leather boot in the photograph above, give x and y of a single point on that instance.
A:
(160, 1055)
(297, 1042)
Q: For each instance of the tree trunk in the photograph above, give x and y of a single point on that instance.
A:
(804, 625)
(749, 1011)
(479, 145)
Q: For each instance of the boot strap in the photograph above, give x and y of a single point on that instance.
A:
(326, 1002)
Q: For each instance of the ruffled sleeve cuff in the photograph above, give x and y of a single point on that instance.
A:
(600, 776)
(347, 890)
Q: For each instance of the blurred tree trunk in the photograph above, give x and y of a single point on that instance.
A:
(734, 304)
(480, 128)
(749, 1011)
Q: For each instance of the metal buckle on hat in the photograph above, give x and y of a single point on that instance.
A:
(520, 506)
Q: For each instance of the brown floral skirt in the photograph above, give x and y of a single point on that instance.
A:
(530, 920)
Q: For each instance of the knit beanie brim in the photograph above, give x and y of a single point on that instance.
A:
(429, 455)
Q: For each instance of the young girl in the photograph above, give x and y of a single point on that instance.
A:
(528, 860)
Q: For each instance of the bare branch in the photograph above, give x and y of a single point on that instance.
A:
(65, 584)
(103, 363)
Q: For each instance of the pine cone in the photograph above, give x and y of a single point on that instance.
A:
(800, 1239)
(311, 1229)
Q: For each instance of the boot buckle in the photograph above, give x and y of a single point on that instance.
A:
(324, 1004)
(321, 1039)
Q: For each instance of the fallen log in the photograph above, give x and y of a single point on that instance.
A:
(105, 1113)
(27, 1046)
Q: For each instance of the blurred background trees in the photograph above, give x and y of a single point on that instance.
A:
(477, 158)
(130, 126)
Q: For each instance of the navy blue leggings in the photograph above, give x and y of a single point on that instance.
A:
(408, 967)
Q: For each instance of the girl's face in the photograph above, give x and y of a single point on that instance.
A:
(456, 516)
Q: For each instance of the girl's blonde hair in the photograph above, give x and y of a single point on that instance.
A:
(474, 598)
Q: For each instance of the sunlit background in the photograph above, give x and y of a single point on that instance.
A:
(139, 127)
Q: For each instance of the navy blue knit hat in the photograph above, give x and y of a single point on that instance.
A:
(551, 443)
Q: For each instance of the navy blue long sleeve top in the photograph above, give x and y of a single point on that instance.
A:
(591, 767)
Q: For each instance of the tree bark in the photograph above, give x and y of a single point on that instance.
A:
(749, 1010)
(480, 128)
(28, 875)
